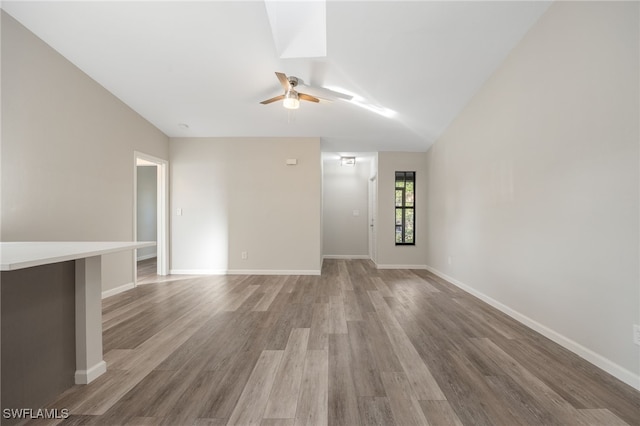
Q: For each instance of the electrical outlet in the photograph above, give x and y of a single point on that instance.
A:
(636, 334)
(244, 255)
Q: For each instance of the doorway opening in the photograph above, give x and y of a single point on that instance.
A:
(150, 215)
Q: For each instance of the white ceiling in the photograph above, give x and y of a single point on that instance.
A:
(209, 63)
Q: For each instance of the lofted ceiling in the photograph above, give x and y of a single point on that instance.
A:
(412, 65)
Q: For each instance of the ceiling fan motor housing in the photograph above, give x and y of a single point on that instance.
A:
(293, 81)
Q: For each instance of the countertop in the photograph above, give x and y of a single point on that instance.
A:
(19, 255)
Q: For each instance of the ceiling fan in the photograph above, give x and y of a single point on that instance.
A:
(291, 98)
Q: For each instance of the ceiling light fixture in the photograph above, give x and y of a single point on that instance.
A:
(348, 161)
(291, 100)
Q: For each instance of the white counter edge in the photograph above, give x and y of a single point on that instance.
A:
(21, 255)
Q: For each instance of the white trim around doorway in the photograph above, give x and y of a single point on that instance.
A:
(162, 211)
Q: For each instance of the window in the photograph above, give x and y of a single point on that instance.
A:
(405, 208)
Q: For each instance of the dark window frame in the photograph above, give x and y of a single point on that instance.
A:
(404, 206)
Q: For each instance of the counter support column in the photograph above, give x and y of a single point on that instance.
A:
(89, 362)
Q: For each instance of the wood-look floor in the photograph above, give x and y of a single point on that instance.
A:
(352, 346)
(147, 271)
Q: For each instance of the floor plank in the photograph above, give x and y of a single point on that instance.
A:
(405, 407)
(422, 382)
(312, 405)
(366, 375)
(284, 395)
(375, 410)
(319, 333)
(343, 400)
(440, 413)
(254, 397)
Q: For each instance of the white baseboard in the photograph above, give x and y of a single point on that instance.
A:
(83, 377)
(379, 266)
(346, 256)
(594, 358)
(198, 272)
(120, 289)
(146, 256)
(244, 272)
(274, 272)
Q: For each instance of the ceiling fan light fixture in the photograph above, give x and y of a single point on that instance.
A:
(291, 100)
(348, 161)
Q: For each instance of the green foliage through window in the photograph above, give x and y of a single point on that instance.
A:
(405, 208)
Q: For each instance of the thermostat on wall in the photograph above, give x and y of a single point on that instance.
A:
(292, 161)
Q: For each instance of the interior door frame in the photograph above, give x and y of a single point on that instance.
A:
(162, 206)
(373, 218)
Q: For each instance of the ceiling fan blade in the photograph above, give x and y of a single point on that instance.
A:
(276, 98)
(309, 98)
(284, 81)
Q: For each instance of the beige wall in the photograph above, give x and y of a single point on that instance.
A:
(237, 194)
(533, 190)
(345, 190)
(388, 254)
(67, 152)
